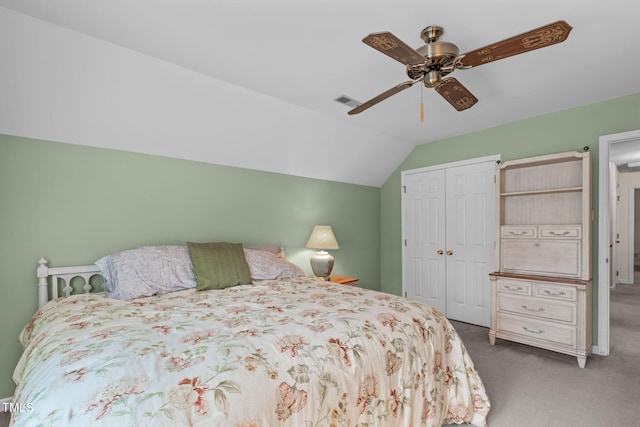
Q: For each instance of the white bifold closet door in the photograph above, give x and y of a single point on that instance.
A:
(449, 227)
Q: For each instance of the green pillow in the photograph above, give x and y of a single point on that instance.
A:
(218, 265)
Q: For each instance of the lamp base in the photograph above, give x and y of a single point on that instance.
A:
(322, 264)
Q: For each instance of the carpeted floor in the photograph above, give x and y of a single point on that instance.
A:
(530, 387)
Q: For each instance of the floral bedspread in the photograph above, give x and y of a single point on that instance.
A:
(295, 352)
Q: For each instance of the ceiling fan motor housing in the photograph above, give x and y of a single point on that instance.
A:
(439, 57)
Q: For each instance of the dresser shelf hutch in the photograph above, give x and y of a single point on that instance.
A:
(541, 290)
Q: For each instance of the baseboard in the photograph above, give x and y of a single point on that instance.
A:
(3, 407)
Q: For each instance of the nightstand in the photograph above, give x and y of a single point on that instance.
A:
(343, 280)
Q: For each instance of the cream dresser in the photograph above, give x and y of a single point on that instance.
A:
(541, 291)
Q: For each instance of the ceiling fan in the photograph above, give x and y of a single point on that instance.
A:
(435, 60)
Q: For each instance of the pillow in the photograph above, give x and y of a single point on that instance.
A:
(147, 271)
(218, 265)
(265, 265)
(269, 248)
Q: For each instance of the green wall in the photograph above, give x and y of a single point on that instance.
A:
(563, 131)
(74, 204)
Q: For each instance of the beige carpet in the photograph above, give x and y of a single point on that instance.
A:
(529, 387)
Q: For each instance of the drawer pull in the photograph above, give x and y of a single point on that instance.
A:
(555, 233)
(519, 288)
(537, 310)
(555, 294)
(539, 331)
(518, 233)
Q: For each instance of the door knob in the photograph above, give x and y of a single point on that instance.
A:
(449, 252)
(440, 252)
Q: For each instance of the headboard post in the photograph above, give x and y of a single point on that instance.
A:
(50, 278)
(43, 282)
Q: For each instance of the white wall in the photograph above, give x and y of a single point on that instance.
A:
(60, 85)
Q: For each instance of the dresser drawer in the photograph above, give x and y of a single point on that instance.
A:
(560, 232)
(568, 293)
(514, 287)
(523, 232)
(538, 307)
(560, 258)
(537, 329)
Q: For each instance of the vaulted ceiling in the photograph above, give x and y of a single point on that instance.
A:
(252, 83)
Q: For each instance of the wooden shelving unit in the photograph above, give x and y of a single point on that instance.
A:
(541, 290)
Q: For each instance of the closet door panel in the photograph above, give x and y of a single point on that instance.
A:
(449, 224)
(470, 199)
(424, 273)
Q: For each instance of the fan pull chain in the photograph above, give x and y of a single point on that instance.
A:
(421, 106)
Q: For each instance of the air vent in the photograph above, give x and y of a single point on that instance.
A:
(348, 101)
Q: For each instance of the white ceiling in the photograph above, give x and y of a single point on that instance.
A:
(626, 155)
(308, 53)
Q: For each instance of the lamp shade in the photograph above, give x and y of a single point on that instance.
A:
(322, 238)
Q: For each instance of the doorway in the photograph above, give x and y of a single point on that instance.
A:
(611, 148)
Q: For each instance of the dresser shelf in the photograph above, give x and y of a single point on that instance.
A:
(546, 191)
(541, 290)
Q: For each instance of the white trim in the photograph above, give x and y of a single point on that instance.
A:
(5, 400)
(493, 158)
(605, 143)
(631, 259)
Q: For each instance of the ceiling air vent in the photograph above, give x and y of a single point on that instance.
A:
(348, 101)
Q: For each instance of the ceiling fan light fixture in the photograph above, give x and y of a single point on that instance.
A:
(432, 78)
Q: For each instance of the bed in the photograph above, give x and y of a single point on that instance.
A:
(282, 351)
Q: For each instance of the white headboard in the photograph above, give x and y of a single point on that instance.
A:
(48, 279)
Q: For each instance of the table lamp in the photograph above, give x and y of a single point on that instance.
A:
(322, 238)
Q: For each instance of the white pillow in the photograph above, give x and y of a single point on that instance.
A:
(147, 271)
(265, 265)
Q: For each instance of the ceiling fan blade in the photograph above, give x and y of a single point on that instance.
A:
(393, 47)
(384, 95)
(456, 94)
(556, 32)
